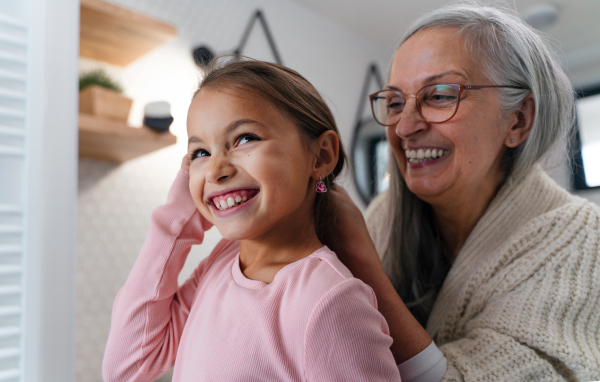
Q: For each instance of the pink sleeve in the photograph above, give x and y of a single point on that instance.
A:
(348, 339)
(150, 311)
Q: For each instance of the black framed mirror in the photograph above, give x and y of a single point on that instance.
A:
(370, 157)
(586, 149)
(369, 144)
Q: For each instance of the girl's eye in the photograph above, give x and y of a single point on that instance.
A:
(200, 153)
(245, 138)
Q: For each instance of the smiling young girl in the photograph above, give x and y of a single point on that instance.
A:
(270, 303)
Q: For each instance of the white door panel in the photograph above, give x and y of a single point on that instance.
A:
(38, 161)
(13, 116)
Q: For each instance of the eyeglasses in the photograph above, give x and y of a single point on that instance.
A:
(436, 103)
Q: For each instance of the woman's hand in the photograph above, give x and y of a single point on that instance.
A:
(185, 163)
(349, 238)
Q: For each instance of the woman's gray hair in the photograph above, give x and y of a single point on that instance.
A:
(511, 53)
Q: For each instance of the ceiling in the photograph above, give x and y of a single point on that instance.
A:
(576, 34)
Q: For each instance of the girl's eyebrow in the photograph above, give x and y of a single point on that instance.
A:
(229, 129)
(234, 125)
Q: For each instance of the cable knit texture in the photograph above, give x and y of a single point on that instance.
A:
(314, 322)
(522, 300)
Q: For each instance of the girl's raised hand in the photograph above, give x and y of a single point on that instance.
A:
(185, 163)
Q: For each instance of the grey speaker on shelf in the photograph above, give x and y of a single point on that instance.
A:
(157, 116)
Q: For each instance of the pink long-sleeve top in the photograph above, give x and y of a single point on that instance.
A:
(314, 322)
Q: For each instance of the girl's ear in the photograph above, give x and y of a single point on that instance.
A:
(521, 128)
(327, 152)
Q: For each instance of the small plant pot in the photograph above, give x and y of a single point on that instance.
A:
(104, 103)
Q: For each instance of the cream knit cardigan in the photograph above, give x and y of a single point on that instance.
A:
(522, 299)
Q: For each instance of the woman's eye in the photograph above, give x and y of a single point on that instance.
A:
(395, 104)
(245, 138)
(200, 153)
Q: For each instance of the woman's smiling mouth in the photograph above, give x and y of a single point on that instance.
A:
(423, 155)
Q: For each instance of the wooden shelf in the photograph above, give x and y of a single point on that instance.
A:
(117, 35)
(116, 141)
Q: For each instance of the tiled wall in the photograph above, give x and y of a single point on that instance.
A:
(115, 201)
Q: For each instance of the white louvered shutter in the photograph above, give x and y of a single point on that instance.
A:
(13, 113)
(38, 189)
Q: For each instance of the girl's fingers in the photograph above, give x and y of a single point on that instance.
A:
(185, 163)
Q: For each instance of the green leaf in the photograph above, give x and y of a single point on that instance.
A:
(100, 78)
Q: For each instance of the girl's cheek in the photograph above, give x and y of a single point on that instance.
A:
(195, 191)
(197, 195)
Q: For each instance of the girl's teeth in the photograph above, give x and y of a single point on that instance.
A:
(230, 200)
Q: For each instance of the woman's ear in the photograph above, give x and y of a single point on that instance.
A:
(523, 120)
(327, 152)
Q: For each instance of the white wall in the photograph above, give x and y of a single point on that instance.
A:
(115, 202)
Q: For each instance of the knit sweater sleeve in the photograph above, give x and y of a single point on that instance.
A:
(535, 313)
(347, 339)
(150, 311)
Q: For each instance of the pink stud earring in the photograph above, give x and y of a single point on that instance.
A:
(320, 186)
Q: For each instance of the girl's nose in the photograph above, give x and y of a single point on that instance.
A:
(220, 169)
(410, 122)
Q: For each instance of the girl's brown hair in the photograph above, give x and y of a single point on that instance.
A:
(294, 96)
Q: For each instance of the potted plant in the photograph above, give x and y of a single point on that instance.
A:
(99, 95)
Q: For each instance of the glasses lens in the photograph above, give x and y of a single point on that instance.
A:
(438, 102)
(387, 106)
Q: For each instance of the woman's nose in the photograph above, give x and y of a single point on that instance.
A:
(220, 169)
(410, 121)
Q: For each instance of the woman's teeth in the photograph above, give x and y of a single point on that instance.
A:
(420, 155)
(232, 199)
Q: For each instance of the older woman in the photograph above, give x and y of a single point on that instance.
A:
(497, 262)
